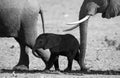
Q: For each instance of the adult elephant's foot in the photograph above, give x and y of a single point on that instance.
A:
(21, 67)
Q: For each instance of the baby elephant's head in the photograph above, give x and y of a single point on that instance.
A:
(40, 42)
(46, 41)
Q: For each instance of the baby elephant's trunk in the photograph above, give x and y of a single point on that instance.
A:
(34, 52)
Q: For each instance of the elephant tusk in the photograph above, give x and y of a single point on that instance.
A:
(80, 21)
(71, 28)
(77, 22)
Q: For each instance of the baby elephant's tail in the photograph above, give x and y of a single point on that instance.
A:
(77, 56)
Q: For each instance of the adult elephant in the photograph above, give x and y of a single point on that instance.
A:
(18, 19)
(108, 8)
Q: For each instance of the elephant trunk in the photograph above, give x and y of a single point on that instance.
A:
(34, 52)
(83, 42)
(44, 54)
(91, 10)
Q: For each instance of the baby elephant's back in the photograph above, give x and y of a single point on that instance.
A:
(69, 41)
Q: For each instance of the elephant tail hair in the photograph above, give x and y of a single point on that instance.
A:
(42, 18)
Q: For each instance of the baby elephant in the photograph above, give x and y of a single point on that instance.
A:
(66, 45)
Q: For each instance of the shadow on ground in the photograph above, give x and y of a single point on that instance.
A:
(77, 72)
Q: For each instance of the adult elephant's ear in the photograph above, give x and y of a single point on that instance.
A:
(52, 41)
(113, 9)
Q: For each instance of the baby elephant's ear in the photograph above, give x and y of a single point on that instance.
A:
(52, 41)
(113, 9)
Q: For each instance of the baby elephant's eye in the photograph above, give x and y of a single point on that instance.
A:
(40, 41)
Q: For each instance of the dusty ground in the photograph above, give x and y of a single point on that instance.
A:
(103, 47)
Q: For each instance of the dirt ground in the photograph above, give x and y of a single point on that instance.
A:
(103, 44)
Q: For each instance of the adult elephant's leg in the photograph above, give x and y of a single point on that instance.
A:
(23, 63)
(28, 34)
(26, 37)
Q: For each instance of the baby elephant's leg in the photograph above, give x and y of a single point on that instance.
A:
(70, 58)
(56, 64)
(50, 62)
(69, 65)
